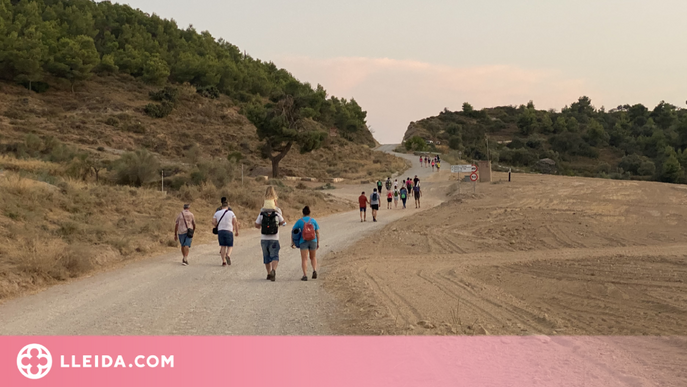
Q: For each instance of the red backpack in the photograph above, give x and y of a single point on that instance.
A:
(309, 231)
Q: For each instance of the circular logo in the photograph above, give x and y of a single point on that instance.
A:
(34, 361)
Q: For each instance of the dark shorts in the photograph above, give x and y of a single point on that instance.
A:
(363, 209)
(225, 238)
(374, 206)
(185, 240)
(270, 251)
(389, 200)
(417, 196)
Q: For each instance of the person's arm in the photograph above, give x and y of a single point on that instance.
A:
(317, 235)
(258, 221)
(214, 222)
(235, 222)
(193, 223)
(176, 231)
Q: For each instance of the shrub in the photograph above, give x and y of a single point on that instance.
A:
(137, 168)
(169, 94)
(211, 92)
(161, 110)
(112, 121)
(136, 128)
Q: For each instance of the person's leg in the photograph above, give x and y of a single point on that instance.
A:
(365, 215)
(313, 262)
(304, 262)
(274, 256)
(361, 214)
(184, 251)
(265, 257)
(223, 253)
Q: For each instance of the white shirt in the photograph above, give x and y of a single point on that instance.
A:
(226, 224)
(280, 221)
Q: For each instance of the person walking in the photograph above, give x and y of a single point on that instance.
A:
(417, 192)
(268, 221)
(416, 180)
(432, 165)
(409, 185)
(222, 201)
(421, 161)
(397, 195)
(183, 233)
(395, 184)
(309, 243)
(389, 199)
(438, 165)
(362, 200)
(404, 196)
(224, 221)
(388, 184)
(379, 186)
(374, 204)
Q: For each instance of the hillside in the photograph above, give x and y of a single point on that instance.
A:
(627, 142)
(98, 101)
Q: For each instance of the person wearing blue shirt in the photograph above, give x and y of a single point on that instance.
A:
(308, 243)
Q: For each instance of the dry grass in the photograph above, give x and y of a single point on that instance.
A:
(50, 233)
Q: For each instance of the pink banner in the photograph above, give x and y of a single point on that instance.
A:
(342, 361)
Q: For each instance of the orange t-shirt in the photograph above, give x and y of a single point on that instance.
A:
(362, 199)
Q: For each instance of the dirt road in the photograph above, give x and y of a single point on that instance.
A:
(160, 297)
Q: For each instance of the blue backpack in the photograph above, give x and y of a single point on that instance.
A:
(296, 237)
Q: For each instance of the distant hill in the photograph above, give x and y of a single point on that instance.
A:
(629, 141)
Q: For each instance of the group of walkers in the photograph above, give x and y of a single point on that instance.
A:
(305, 234)
(426, 162)
(407, 188)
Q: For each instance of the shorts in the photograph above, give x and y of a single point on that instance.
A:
(396, 199)
(309, 245)
(374, 206)
(270, 251)
(363, 209)
(389, 200)
(225, 238)
(185, 240)
(417, 196)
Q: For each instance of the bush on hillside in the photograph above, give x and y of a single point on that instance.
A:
(137, 168)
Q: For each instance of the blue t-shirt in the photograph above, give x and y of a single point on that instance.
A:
(300, 224)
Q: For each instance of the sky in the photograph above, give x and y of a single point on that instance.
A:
(405, 60)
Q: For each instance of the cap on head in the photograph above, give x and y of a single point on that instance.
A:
(187, 206)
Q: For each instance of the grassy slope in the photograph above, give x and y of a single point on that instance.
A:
(54, 227)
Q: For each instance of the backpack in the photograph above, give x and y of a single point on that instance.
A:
(388, 184)
(269, 223)
(416, 189)
(403, 194)
(374, 197)
(309, 231)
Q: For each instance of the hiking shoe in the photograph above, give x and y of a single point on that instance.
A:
(314, 274)
(305, 278)
(184, 262)
(228, 260)
(273, 275)
(269, 276)
(224, 264)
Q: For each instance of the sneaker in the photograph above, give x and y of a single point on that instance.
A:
(314, 274)
(184, 262)
(224, 264)
(269, 276)
(228, 260)
(273, 274)
(305, 278)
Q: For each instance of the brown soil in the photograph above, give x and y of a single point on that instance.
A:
(541, 255)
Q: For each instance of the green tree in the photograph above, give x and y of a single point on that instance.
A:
(416, 143)
(527, 122)
(467, 108)
(282, 124)
(137, 168)
(596, 135)
(155, 70)
(75, 59)
(671, 170)
(27, 55)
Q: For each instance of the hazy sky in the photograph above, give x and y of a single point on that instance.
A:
(405, 60)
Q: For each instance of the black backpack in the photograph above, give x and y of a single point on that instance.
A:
(375, 197)
(269, 223)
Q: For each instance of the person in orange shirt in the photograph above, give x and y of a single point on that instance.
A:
(363, 201)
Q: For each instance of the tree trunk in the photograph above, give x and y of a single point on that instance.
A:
(276, 159)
